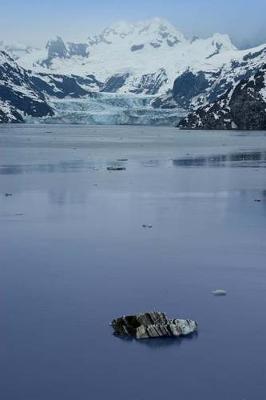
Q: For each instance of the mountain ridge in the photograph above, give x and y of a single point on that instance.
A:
(148, 58)
(143, 47)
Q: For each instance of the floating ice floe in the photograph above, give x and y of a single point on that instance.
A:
(219, 292)
(151, 325)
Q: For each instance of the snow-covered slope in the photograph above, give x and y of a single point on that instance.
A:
(198, 86)
(18, 94)
(242, 107)
(233, 97)
(130, 50)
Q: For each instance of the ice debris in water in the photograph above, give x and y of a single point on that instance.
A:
(219, 292)
(151, 325)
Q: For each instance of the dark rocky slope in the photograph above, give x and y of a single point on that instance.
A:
(242, 107)
(232, 97)
(19, 95)
(61, 86)
(57, 48)
(23, 93)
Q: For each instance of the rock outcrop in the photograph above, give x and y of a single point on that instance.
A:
(58, 49)
(189, 85)
(61, 86)
(152, 325)
(150, 84)
(114, 83)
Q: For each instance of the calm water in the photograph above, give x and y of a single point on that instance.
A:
(73, 255)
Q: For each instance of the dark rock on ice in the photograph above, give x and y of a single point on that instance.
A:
(137, 47)
(151, 325)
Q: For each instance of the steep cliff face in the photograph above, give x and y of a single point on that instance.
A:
(189, 85)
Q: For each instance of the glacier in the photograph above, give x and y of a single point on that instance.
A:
(109, 109)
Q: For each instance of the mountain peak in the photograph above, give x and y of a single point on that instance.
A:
(156, 30)
(158, 23)
(223, 40)
(56, 48)
(155, 23)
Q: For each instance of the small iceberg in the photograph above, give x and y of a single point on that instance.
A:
(152, 325)
(219, 292)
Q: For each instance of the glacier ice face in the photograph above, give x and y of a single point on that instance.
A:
(110, 109)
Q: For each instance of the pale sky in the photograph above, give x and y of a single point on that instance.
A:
(36, 21)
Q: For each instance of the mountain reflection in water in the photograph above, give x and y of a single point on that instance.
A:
(249, 159)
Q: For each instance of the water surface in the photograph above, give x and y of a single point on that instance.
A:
(73, 255)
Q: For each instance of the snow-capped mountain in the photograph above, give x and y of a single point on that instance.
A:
(129, 50)
(150, 60)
